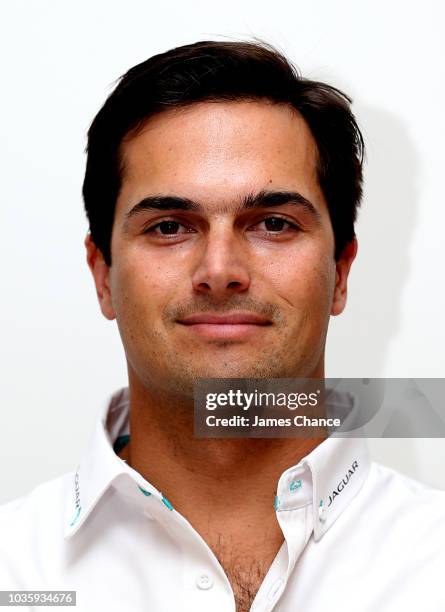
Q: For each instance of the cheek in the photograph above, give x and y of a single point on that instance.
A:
(305, 281)
(141, 289)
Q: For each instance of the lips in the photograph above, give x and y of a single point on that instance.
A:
(236, 318)
(235, 326)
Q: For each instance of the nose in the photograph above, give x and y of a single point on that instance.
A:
(222, 269)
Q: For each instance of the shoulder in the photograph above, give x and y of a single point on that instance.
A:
(28, 522)
(402, 488)
(45, 497)
(394, 529)
(404, 509)
(42, 507)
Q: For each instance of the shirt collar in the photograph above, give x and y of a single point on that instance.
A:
(328, 477)
(100, 466)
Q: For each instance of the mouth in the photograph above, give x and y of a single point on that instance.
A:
(226, 326)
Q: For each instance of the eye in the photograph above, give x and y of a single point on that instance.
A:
(166, 228)
(276, 225)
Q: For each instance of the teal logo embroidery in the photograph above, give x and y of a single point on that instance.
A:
(295, 484)
(76, 517)
(277, 502)
(147, 493)
(167, 503)
(76, 498)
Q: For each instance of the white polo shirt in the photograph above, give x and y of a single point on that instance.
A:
(359, 537)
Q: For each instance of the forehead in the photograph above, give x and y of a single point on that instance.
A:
(214, 151)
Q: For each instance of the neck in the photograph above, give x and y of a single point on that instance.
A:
(202, 476)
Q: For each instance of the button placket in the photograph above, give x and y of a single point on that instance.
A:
(275, 589)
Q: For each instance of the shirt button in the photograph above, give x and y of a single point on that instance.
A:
(322, 514)
(204, 582)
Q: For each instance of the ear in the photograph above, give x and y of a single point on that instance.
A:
(100, 271)
(342, 267)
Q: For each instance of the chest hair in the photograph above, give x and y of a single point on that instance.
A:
(245, 570)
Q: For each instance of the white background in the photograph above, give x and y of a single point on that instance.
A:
(60, 358)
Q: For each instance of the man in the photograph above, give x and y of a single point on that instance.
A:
(221, 190)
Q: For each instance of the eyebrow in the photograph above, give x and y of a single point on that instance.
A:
(262, 199)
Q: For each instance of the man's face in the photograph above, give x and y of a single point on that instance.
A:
(239, 226)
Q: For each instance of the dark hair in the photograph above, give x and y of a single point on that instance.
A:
(223, 71)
